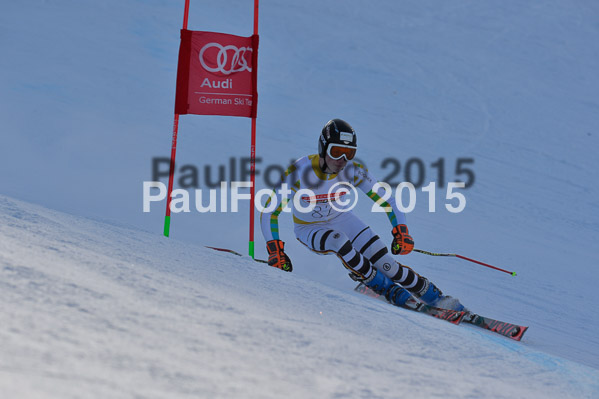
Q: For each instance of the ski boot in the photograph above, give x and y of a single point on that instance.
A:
(433, 296)
(383, 285)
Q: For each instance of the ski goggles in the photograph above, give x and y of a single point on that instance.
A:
(337, 151)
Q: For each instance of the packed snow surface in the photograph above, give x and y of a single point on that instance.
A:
(96, 310)
(94, 302)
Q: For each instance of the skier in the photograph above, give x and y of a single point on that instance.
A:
(331, 228)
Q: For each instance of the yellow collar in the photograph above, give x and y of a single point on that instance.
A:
(317, 171)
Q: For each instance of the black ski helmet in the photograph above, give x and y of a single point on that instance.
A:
(336, 131)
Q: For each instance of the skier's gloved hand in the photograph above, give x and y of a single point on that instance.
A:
(402, 243)
(277, 257)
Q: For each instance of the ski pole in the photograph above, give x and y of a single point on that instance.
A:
(234, 253)
(465, 258)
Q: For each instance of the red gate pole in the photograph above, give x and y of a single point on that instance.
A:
(253, 146)
(171, 174)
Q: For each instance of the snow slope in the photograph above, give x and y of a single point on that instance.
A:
(95, 310)
(86, 102)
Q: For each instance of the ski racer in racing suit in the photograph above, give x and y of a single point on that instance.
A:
(324, 223)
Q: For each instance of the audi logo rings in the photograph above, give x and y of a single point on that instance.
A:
(238, 62)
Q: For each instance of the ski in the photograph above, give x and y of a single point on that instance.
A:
(451, 316)
(509, 330)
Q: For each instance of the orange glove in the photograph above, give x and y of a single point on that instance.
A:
(402, 243)
(277, 257)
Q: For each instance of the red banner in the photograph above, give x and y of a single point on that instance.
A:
(217, 74)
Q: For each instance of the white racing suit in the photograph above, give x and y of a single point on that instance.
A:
(330, 227)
